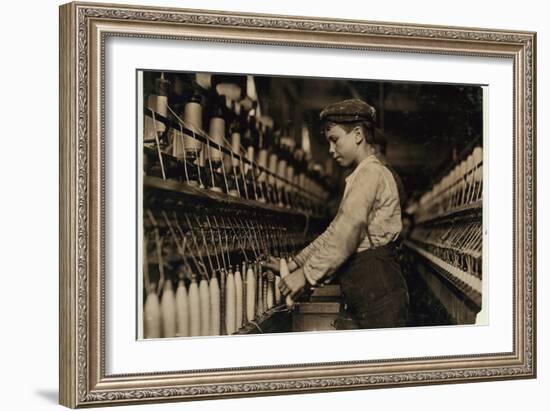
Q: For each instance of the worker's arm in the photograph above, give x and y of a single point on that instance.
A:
(347, 230)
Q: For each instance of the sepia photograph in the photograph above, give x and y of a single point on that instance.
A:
(268, 204)
(276, 204)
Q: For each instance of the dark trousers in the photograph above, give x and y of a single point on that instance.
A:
(374, 291)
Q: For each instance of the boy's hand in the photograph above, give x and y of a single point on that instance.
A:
(293, 283)
(272, 264)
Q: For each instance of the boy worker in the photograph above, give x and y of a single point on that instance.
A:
(358, 246)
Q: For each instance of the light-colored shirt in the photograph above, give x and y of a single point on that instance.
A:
(370, 202)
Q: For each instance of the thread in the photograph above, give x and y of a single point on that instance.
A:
(217, 133)
(235, 148)
(272, 168)
(262, 162)
(281, 172)
(192, 116)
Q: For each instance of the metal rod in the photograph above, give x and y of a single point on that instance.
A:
(206, 251)
(200, 265)
(184, 156)
(213, 239)
(157, 141)
(181, 247)
(226, 242)
(197, 248)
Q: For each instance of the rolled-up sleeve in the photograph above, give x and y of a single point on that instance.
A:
(330, 250)
(301, 258)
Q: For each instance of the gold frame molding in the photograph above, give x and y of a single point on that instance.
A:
(84, 27)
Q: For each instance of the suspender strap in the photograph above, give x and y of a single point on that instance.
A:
(369, 237)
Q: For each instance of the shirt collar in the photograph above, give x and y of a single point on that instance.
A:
(369, 159)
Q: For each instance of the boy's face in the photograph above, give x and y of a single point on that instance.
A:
(343, 144)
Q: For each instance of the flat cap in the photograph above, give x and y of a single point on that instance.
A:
(347, 111)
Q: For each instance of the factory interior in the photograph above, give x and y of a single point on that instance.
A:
(236, 169)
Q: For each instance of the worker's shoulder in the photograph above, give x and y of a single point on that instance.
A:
(373, 172)
(373, 168)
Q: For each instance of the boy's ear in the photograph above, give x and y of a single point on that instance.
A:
(358, 135)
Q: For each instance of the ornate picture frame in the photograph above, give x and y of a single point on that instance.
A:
(84, 30)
